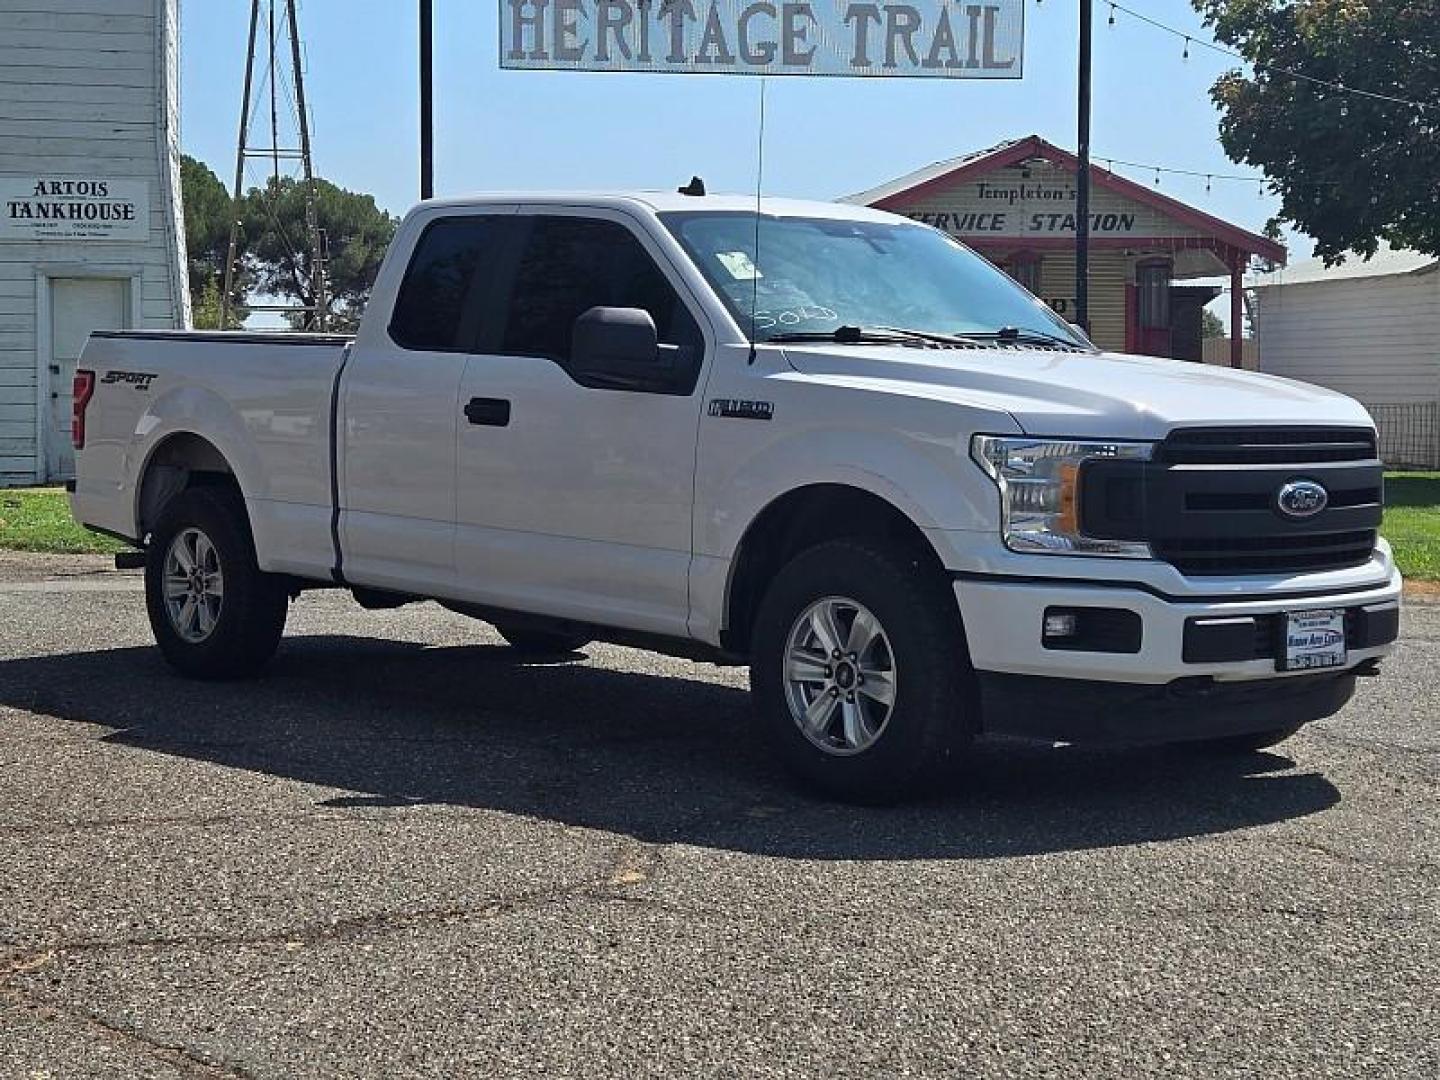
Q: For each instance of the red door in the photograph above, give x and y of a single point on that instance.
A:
(1147, 310)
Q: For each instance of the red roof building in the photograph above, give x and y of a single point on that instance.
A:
(1015, 204)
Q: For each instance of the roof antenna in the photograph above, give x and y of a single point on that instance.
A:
(695, 187)
(759, 185)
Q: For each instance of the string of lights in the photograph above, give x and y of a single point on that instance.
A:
(1191, 39)
(1210, 178)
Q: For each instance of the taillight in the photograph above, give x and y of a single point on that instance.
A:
(84, 388)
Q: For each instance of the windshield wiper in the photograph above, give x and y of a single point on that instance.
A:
(1010, 334)
(870, 335)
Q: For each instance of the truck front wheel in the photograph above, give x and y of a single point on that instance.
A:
(860, 671)
(214, 614)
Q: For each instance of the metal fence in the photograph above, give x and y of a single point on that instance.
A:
(1409, 434)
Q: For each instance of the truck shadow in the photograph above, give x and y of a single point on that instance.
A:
(661, 758)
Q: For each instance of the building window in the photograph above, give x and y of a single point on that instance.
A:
(1152, 282)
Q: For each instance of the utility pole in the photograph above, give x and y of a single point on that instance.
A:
(427, 99)
(1082, 181)
(317, 312)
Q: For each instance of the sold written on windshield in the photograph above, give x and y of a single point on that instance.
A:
(927, 38)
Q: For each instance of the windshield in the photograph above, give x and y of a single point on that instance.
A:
(814, 275)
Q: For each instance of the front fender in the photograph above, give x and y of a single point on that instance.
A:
(931, 482)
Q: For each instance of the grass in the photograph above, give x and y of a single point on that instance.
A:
(38, 519)
(1412, 523)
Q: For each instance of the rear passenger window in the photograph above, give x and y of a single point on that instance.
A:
(449, 265)
(573, 264)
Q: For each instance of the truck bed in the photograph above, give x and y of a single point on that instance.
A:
(262, 399)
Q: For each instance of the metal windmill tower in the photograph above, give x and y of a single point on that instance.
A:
(269, 90)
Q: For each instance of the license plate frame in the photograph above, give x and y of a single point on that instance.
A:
(1312, 640)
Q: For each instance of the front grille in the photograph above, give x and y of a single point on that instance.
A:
(1267, 446)
(1265, 555)
(1207, 502)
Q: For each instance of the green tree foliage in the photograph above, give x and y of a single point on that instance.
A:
(205, 307)
(274, 249)
(1351, 171)
(356, 232)
(207, 243)
(1211, 325)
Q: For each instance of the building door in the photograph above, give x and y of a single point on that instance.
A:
(1148, 304)
(77, 306)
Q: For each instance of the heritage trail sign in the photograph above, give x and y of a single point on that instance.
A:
(924, 38)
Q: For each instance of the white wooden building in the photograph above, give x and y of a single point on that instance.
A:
(91, 233)
(1368, 328)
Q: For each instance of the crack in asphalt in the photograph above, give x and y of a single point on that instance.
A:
(176, 1056)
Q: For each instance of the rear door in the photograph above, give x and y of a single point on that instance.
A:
(77, 306)
(575, 501)
(401, 408)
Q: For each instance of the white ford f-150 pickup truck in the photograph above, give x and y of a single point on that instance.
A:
(827, 442)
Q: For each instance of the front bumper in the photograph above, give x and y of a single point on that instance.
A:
(1073, 710)
(1004, 619)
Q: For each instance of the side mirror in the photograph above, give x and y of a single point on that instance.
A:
(619, 349)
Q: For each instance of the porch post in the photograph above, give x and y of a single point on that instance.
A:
(1237, 308)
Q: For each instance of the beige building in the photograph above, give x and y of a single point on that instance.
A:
(1015, 204)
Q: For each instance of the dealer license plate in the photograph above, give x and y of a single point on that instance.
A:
(1314, 639)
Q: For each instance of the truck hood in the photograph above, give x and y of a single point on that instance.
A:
(1101, 395)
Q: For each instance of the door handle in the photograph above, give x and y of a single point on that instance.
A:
(488, 412)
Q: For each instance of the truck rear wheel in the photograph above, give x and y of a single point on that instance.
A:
(214, 614)
(860, 671)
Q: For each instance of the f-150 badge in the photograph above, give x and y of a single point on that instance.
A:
(735, 409)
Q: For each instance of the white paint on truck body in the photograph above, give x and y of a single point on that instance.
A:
(628, 509)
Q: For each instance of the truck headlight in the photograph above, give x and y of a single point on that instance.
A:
(1040, 482)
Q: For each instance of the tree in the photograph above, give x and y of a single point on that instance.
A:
(1211, 325)
(207, 243)
(356, 234)
(1351, 171)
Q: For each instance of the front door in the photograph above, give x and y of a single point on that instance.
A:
(401, 411)
(574, 501)
(77, 306)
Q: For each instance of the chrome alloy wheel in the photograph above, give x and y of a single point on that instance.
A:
(194, 585)
(839, 675)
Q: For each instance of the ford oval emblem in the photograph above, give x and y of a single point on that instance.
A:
(1302, 499)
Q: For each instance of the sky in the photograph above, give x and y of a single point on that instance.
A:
(825, 137)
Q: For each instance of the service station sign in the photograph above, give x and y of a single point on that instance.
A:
(923, 38)
(39, 208)
(1038, 203)
(1025, 209)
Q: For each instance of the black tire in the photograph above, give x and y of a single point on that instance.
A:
(1249, 743)
(529, 641)
(934, 709)
(251, 614)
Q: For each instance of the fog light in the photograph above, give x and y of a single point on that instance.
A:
(1061, 625)
(1091, 629)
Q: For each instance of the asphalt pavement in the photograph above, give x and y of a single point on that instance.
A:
(407, 852)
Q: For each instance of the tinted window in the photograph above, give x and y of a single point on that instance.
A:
(573, 264)
(442, 277)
